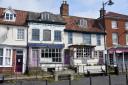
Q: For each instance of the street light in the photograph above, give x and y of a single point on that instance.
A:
(103, 17)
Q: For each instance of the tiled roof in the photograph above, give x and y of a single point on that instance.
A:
(92, 25)
(34, 16)
(116, 15)
(21, 17)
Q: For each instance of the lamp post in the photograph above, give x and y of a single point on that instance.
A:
(103, 18)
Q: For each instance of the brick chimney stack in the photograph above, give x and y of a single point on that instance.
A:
(64, 9)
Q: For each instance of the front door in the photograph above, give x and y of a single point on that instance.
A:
(19, 60)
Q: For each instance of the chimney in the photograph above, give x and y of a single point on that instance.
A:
(64, 9)
(102, 12)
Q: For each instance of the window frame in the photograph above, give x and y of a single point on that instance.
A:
(57, 36)
(126, 25)
(51, 53)
(20, 34)
(114, 24)
(9, 16)
(87, 39)
(70, 37)
(2, 56)
(5, 56)
(98, 39)
(115, 41)
(35, 37)
(126, 38)
(44, 35)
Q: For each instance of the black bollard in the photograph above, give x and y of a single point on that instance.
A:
(109, 79)
(90, 78)
(69, 80)
(46, 82)
(126, 79)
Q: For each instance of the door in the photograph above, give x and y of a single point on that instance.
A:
(19, 60)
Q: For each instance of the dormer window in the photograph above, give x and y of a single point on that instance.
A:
(9, 15)
(45, 16)
(82, 23)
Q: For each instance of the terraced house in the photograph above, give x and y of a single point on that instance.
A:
(84, 41)
(46, 41)
(13, 40)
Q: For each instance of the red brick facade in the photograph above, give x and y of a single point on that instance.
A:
(121, 31)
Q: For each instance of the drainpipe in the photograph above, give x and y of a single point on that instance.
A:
(27, 59)
(123, 61)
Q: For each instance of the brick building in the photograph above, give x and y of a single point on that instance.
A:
(117, 38)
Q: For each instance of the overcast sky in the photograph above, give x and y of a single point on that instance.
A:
(85, 8)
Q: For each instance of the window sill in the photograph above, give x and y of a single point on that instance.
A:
(19, 39)
(5, 66)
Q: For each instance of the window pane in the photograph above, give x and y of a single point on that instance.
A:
(47, 35)
(70, 38)
(8, 57)
(57, 35)
(11, 16)
(126, 25)
(7, 16)
(98, 39)
(115, 38)
(35, 34)
(20, 33)
(87, 39)
(126, 39)
(1, 60)
(114, 24)
(1, 52)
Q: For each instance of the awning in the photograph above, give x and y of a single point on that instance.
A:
(46, 45)
(118, 50)
(81, 46)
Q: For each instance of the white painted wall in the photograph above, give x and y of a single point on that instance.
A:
(78, 39)
(43, 27)
(8, 36)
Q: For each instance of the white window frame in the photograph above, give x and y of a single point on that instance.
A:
(50, 58)
(87, 39)
(126, 38)
(114, 24)
(83, 23)
(5, 56)
(115, 41)
(20, 34)
(11, 16)
(126, 25)
(8, 56)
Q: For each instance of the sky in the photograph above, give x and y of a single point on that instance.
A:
(82, 8)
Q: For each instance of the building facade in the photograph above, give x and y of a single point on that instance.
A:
(117, 38)
(46, 41)
(83, 38)
(13, 40)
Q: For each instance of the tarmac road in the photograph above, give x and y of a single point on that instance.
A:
(99, 80)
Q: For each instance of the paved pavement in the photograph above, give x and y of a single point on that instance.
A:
(99, 80)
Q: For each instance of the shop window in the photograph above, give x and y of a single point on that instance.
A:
(54, 54)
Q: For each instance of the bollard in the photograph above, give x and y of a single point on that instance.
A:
(109, 79)
(69, 81)
(46, 82)
(90, 78)
(126, 79)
